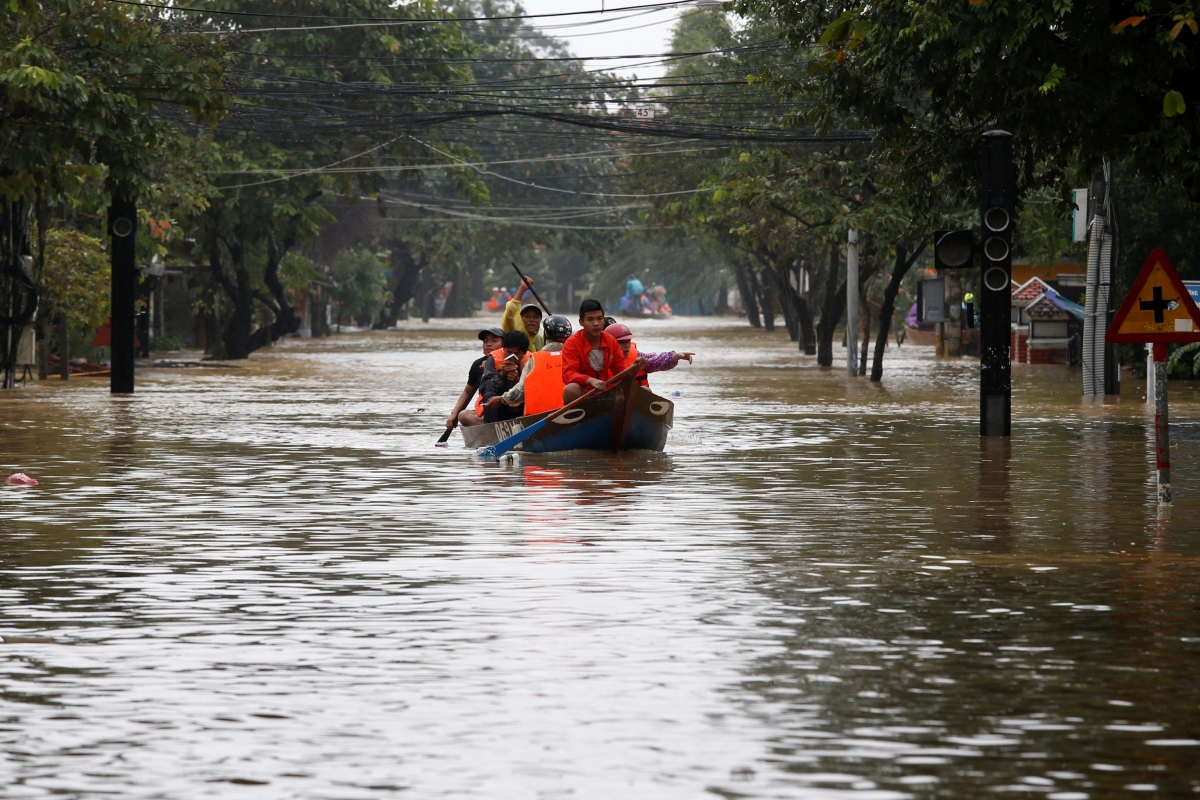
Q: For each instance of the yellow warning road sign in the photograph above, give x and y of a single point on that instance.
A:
(1158, 307)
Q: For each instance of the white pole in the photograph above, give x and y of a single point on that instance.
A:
(1150, 374)
(852, 305)
(1093, 382)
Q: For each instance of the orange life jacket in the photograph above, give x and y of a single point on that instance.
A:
(498, 357)
(544, 384)
(642, 378)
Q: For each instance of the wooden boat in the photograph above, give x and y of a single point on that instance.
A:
(920, 336)
(626, 417)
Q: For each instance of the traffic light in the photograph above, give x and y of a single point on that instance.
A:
(953, 249)
(995, 296)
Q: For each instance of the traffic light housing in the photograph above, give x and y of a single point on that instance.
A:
(995, 295)
(953, 249)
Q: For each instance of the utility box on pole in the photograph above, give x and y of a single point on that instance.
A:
(995, 294)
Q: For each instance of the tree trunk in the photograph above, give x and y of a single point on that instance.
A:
(866, 329)
(766, 290)
(888, 306)
(407, 271)
(286, 319)
(450, 309)
(64, 345)
(804, 321)
(749, 300)
(787, 299)
(831, 308)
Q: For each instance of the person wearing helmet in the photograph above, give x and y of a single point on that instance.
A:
(541, 384)
(655, 362)
(524, 317)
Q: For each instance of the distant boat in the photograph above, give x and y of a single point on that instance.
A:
(626, 417)
(917, 333)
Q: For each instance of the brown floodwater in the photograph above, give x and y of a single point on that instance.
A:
(266, 582)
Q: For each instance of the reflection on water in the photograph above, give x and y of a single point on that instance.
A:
(268, 583)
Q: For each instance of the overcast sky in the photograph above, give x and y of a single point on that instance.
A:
(614, 33)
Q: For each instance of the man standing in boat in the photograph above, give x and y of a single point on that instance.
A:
(541, 385)
(591, 356)
(526, 318)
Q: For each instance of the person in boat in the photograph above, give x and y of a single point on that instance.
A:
(541, 385)
(655, 362)
(591, 356)
(501, 371)
(527, 317)
(492, 339)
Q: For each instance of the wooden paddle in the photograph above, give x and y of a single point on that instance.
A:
(545, 307)
(445, 436)
(494, 452)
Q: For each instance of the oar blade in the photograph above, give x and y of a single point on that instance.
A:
(494, 452)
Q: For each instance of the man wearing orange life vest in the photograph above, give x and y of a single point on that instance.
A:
(590, 357)
(655, 362)
(500, 373)
(541, 384)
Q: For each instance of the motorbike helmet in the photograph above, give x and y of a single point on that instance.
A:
(557, 328)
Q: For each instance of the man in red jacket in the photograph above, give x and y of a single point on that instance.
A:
(591, 356)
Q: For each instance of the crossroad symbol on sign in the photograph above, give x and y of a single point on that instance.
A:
(1158, 307)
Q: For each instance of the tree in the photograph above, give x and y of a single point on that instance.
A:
(358, 286)
(1074, 82)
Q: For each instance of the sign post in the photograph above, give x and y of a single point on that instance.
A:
(1158, 310)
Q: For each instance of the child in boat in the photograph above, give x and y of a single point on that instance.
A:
(655, 362)
(500, 373)
(492, 339)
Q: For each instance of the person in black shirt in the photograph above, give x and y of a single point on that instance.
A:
(492, 339)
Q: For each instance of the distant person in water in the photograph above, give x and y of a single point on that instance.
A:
(655, 362)
(591, 356)
(492, 339)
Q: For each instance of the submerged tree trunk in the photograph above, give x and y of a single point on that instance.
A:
(749, 300)
(804, 321)
(865, 337)
(407, 274)
(831, 308)
(766, 293)
(787, 295)
(888, 306)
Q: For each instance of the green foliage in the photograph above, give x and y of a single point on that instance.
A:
(358, 285)
(167, 343)
(296, 272)
(1043, 233)
(76, 278)
(1070, 82)
(78, 84)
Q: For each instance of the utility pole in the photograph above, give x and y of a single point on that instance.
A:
(1101, 373)
(852, 304)
(996, 206)
(122, 230)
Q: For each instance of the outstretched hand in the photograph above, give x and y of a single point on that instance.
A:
(526, 285)
(677, 357)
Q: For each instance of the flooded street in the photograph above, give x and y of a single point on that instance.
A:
(266, 582)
